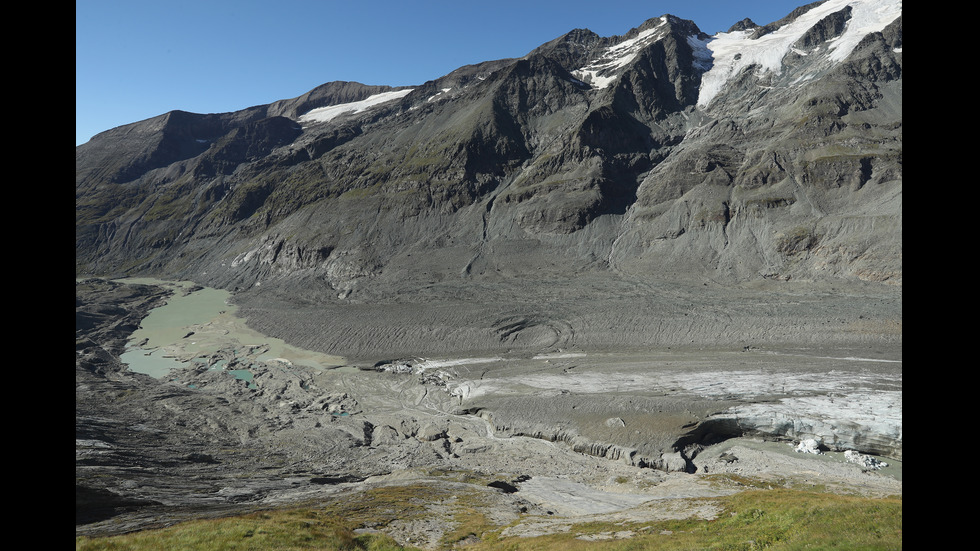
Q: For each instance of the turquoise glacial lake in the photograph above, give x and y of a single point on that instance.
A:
(194, 324)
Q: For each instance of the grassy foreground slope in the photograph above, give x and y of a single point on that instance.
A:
(758, 518)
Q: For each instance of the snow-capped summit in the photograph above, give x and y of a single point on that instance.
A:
(604, 69)
(736, 51)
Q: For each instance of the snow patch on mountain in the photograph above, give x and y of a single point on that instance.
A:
(603, 71)
(735, 51)
(323, 114)
(703, 59)
(867, 17)
(439, 94)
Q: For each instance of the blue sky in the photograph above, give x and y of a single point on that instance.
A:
(136, 59)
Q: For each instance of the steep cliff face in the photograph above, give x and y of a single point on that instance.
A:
(663, 151)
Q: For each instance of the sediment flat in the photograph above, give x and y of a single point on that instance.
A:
(630, 397)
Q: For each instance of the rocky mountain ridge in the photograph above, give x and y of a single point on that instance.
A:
(640, 154)
(610, 266)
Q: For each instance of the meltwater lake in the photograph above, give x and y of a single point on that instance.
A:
(197, 322)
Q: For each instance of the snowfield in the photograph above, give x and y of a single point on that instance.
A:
(324, 114)
(734, 52)
(722, 57)
(616, 57)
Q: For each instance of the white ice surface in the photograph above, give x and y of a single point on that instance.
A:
(615, 57)
(323, 114)
(733, 52)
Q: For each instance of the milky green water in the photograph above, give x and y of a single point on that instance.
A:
(163, 340)
(168, 324)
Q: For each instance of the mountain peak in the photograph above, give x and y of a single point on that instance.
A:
(685, 153)
(743, 25)
(749, 48)
(607, 62)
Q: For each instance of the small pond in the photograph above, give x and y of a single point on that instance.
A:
(197, 322)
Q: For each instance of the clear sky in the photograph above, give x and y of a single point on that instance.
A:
(136, 59)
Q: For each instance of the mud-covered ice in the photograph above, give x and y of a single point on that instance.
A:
(865, 420)
(844, 402)
(865, 461)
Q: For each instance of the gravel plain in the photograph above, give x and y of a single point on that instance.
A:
(533, 395)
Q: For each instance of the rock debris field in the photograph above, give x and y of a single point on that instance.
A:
(556, 426)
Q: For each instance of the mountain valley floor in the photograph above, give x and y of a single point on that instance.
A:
(598, 401)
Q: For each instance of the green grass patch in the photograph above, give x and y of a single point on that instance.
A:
(778, 519)
(289, 530)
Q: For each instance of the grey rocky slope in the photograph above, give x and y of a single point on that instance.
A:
(638, 155)
(627, 198)
(597, 192)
